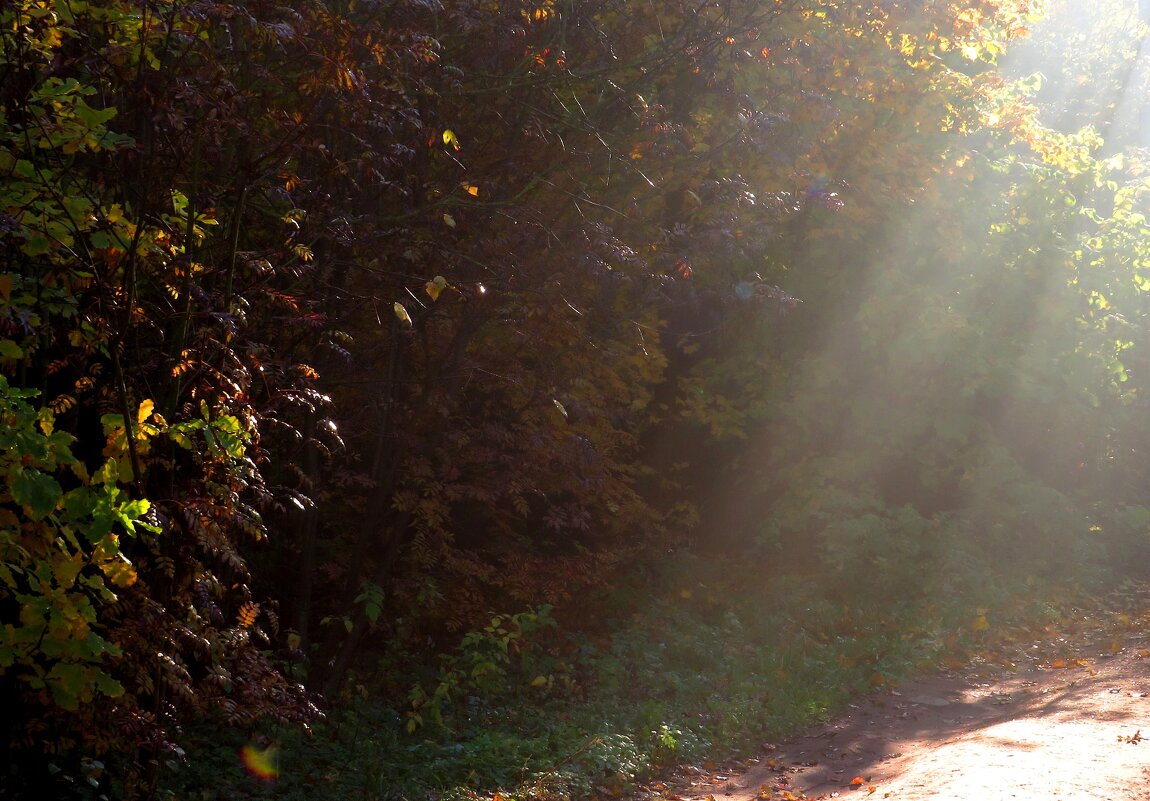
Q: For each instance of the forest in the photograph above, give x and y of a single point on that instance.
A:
(513, 399)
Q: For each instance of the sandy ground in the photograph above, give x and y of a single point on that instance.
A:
(1057, 729)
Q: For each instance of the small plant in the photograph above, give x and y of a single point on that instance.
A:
(485, 664)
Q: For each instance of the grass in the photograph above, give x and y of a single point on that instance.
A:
(530, 712)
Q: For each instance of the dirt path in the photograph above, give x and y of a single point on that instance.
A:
(1058, 729)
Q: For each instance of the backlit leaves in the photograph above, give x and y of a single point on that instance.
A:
(435, 287)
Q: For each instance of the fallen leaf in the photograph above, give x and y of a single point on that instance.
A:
(857, 781)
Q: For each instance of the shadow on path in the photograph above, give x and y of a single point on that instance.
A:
(1066, 732)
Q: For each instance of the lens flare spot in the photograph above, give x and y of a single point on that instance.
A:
(263, 763)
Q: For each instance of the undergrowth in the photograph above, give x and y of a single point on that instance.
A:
(707, 668)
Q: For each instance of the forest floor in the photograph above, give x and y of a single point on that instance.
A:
(1063, 719)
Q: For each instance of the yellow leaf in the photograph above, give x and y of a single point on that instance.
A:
(120, 572)
(401, 313)
(449, 138)
(145, 411)
(435, 287)
(67, 569)
(471, 189)
(979, 623)
(293, 640)
(448, 220)
(539, 681)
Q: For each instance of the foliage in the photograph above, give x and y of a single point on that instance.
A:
(690, 677)
(400, 314)
(62, 557)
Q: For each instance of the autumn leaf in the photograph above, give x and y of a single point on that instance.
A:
(248, 614)
(401, 313)
(435, 287)
(857, 781)
(449, 138)
(145, 411)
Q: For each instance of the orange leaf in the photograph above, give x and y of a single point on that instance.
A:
(857, 781)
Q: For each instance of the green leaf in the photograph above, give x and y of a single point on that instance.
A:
(91, 117)
(68, 684)
(10, 350)
(37, 492)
